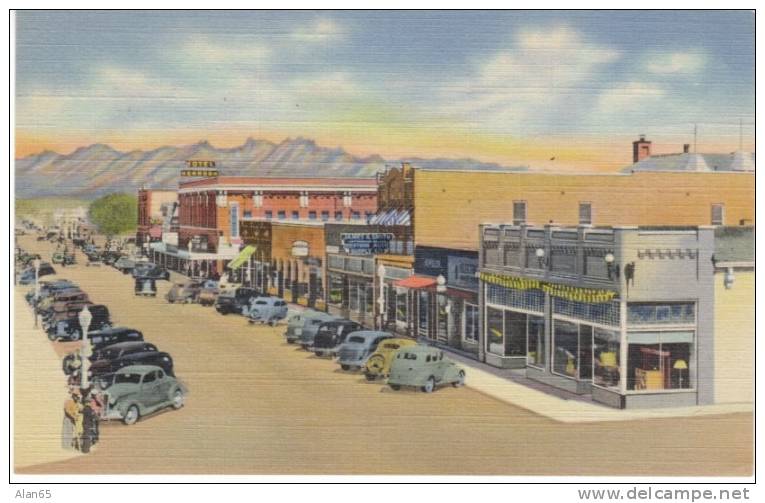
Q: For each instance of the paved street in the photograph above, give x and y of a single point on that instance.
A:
(260, 406)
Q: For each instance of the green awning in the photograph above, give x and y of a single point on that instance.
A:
(243, 256)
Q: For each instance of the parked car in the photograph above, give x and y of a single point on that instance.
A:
(353, 353)
(124, 264)
(94, 259)
(110, 257)
(309, 331)
(146, 287)
(138, 390)
(72, 361)
(269, 310)
(47, 288)
(236, 301)
(297, 321)
(208, 293)
(62, 311)
(57, 258)
(156, 358)
(184, 291)
(68, 328)
(113, 335)
(378, 364)
(59, 299)
(150, 270)
(424, 367)
(27, 276)
(332, 334)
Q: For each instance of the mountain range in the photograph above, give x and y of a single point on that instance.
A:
(98, 169)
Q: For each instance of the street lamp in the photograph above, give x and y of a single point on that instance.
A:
(36, 263)
(540, 254)
(85, 319)
(613, 269)
(381, 298)
(191, 264)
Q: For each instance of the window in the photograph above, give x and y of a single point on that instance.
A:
(312, 215)
(269, 214)
(325, 216)
(247, 214)
(424, 304)
(150, 377)
(336, 296)
(401, 306)
(338, 215)
(606, 348)
(661, 313)
(295, 215)
(519, 212)
(537, 352)
(512, 254)
(282, 215)
(355, 215)
(718, 214)
(585, 213)
(566, 348)
(494, 330)
(563, 259)
(659, 360)
(368, 215)
(470, 332)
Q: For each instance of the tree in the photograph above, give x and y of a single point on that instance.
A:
(114, 213)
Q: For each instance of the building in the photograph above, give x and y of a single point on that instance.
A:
(153, 207)
(644, 160)
(626, 314)
(297, 263)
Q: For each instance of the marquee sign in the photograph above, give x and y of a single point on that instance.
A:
(366, 243)
(199, 168)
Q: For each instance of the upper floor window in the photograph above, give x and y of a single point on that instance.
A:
(519, 212)
(585, 213)
(355, 215)
(282, 215)
(338, 215)
(312, 215)
(304, 199)
(269, 214)
(325, 216)
(718, 214)
(295, 215)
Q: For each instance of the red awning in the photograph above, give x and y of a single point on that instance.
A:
(155, 231)
(415, 282)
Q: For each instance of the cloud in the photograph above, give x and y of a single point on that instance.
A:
(628, 97)
(320, 30)
(675, 63)
(541, 72)
(206, 50)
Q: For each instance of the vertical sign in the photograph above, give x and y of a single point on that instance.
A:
(234, 219)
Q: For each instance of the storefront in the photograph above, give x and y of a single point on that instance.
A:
(396, 305)
(297, 263)
(257, 269)
(445, 288)
(624, 321)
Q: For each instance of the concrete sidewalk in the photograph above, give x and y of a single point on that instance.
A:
(573, 409)
(39, 392)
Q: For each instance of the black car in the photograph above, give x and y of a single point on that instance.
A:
(145, 287)
(150, 270)
(69, 329)
(158, 358)
(72, 361)
(27, 276)
(331, 334)
(236, 301)
(47, 288)
(113, 335)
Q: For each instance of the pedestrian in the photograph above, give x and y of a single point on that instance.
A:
(69, 430)
(89, 434)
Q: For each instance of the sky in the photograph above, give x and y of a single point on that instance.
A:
(568, 89)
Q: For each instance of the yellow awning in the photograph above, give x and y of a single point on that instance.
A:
(243, 257)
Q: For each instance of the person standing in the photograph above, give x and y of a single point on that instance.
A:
(68, 435)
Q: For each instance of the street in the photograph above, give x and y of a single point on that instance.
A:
(257, 405)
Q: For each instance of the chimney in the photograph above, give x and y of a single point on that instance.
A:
(641, 149)
(686, 148)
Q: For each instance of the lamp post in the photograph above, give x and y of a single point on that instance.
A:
(381, 298)
(540, 254)
(36, 263)
(85, 319)
(191, 264)
(441, 304)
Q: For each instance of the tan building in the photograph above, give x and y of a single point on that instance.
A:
(449, 205)
(150, 216)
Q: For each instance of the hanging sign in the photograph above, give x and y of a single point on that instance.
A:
(366, 243)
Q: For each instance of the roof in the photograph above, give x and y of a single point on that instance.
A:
(282, 182)
(415, 282)
(690, 162)
(734, 244)
(137, 369)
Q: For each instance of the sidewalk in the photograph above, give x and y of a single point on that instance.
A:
(39, 392)
(514, 388)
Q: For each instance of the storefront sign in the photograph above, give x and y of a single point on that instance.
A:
(366, 243)
(199, 244)
(462, 272)
(332, 249)
(300, 249)
(312, 261)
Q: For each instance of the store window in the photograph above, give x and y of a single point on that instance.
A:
(565, 348)
(606, 349)
(495, 330)
(353, 296)
(515, 333)
(336, 289)
(659, 360)
(537, 355)
(471, 323)
(423, 300)
(369, 303)
(401, 305)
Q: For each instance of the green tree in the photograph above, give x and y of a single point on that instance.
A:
(114, 213)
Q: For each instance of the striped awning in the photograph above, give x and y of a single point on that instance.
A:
(243, 256)
(391, 217)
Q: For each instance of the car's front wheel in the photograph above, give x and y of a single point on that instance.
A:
(370, 377)
(395, 387)
(430, 385)
(460, 379)
(345, 367)
(131, 415)
(177, 399)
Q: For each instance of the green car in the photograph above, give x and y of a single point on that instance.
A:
(424, 367)
(138, 390)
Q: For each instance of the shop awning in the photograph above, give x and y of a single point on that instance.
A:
(415, 282)
(243, 256)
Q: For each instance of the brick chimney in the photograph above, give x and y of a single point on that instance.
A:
(641, 149)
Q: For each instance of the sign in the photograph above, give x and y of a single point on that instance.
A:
(366, 243)
(200, 169)
(332, 249)
(300, 249)
(462, 272)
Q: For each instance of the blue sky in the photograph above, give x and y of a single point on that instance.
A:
(511, 86)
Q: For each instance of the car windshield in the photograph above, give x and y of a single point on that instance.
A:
(127, 378)
(261, 303)
(356, 338)
(391, 346)
(410, 356)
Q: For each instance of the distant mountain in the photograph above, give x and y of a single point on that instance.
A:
(98, 169)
